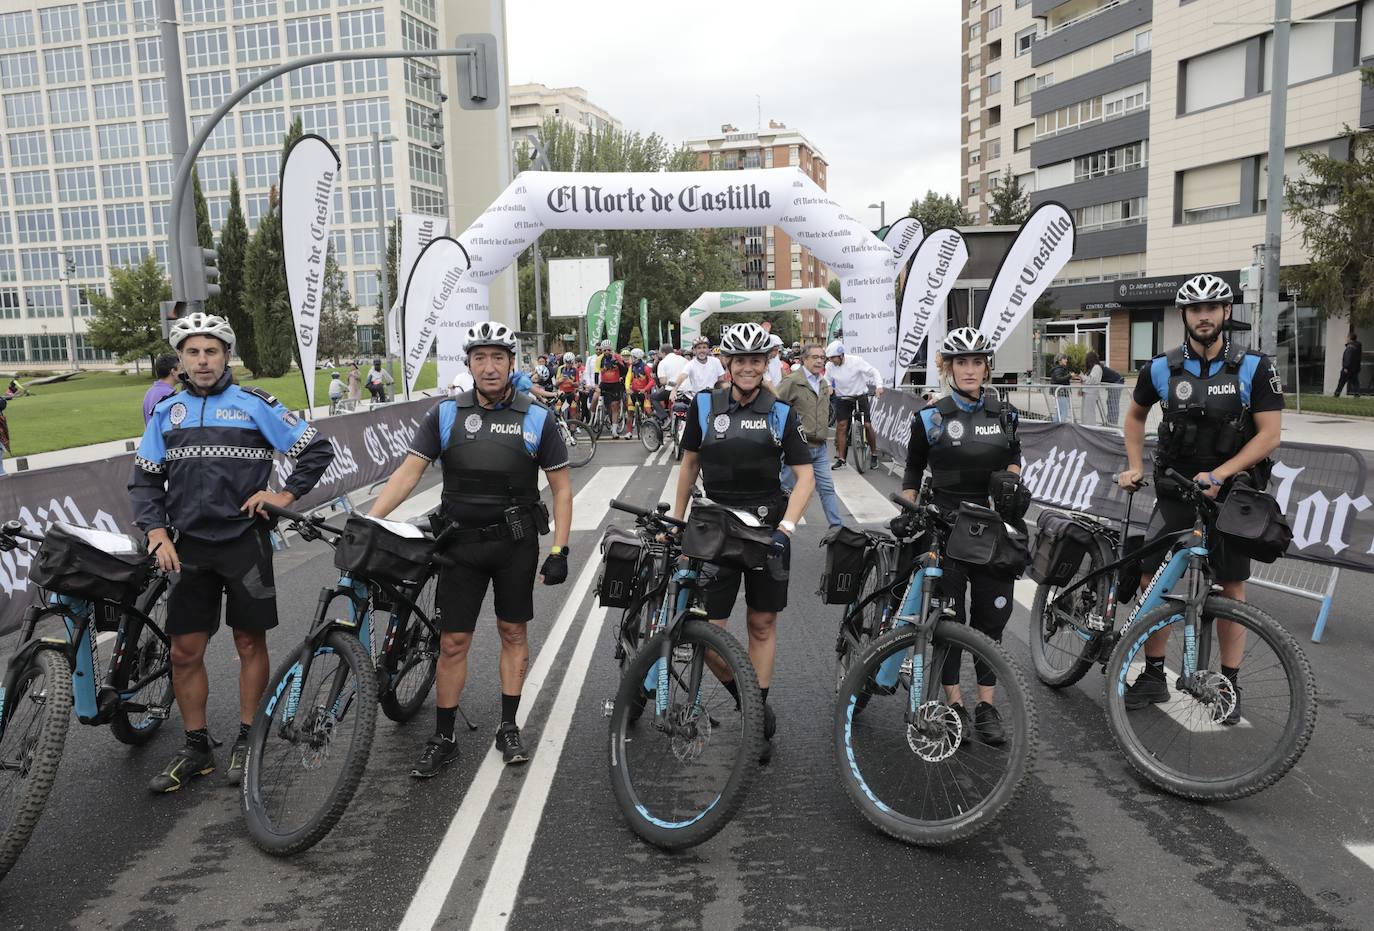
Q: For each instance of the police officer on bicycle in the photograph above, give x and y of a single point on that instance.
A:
(1223, 412)
(968, 440)
(737, 439)
(491, 443)
(202, 468)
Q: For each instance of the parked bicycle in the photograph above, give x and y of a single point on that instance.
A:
(577, 437)
(680, 776)
(93, 580)
(907, 759)
(1203, 743)
(858, 438)
(313, 731)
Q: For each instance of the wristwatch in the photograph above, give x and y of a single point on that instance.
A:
(787, 527)
(558, 551)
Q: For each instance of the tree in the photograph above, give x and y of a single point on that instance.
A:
(1334, 207)
(264, 295)
(1010, 204)
(233, 244)
(833, 286)
(937, 210)
(127, 321)
(338, 315)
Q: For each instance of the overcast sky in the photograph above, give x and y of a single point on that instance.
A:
(874, 84)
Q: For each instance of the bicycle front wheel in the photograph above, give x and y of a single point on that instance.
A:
(36, 717)
(146, 657)
(858, 445)
(413, 659)
(581, 443)
(309, 746)
(680, 777)
(650, 434)
(925, 777)
(1192, 744)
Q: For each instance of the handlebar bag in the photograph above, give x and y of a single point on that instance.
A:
(716, 535)
(979, 537)
(67, 564)
(369, 551)
(1251, 523)
(622, 552)
(844, 563)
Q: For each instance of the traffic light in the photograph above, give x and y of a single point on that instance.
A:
(210, 259)
(479, 85)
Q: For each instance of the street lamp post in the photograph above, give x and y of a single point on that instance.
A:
(881, 207)
(384, 248)
(68, 267)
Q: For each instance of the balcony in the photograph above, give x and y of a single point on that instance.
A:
(1100, 23)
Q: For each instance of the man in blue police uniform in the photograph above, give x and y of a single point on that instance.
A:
(1223, 411)
(491, 442)
(203, 468)
(738, 438)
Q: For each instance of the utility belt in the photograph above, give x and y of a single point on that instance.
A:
(518, 522)
(1204, 437)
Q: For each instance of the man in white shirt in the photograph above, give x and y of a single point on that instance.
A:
(702, 373)
(774, 375)
(670, 365)
(852, 378)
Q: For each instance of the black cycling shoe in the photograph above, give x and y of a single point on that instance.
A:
(987, 724)
(508, 742)
(187, 763)
(438, 752)
(1146, 690)
(837, 464)
(238, 758)
(770, 727)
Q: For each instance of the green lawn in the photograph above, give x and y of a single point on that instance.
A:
(100, 406)
(1325, 404)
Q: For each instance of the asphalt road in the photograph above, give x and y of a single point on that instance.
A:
(1087, 845)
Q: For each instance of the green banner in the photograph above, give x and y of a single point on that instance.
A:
(644, 321)
(596, 318)
(615, 300)
(835, 322)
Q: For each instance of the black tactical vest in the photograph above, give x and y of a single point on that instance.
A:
(1205, 421)
(487, 467)
(971, 446)
(741, 451)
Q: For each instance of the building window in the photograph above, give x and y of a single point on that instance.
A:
(23, 110)
(994, 17)
(87, 353)
(47, 348)
(314, 81)
(257, 41)
(364, 117)
(154, 94)
(118, 140)
(423, 200)
(1023, 89)
(1214, 78)
(362, 203)
(64, 64)
(75, 184)
(155, 139)
(366, 288)
(124, 180)
(60, 24)
(159, 178)
(994, 150)
(1024, 40)
(271, 92)
(208, 90)
(975, 31)
(319, 118)
(366, 248)
(1109, 161)
(415, 34)
(207, 48)
(426, 165)
(72, 145)
(364, 77)
(28, 149)
(145, 16)
(11, 347)
(252, 9)
(221, 138)
(358, 160)
(105, 18)
(40, 264)
(975, 126)
(361, 29)
(975, 62)
(261, 169)
(1118, 213)
(86, 261)
(35, 226)
(1211, 192)
(214, 173)
(126, 254)
(255, 207)
(31, 187)
(262, 127)
(309, 36)
(125, 221)
(19, 70)
(994, 83)
(202, 11)
(110, 60)
(16, 29)
(113, 101)
(80, 222)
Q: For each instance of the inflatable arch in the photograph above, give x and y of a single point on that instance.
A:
(539, 200)
(737, 302)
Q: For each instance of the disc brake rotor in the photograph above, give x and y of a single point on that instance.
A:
(936, 732)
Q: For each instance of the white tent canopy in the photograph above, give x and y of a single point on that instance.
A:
(737, 302)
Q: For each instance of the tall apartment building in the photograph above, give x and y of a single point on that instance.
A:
(1150, 122)
(769, 257)
(531, 104)
(85, 171)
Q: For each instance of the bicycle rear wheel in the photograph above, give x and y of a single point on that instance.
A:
(411, 662)
(1181, 745)
(581, 443)
(309, 746)
(875, 572)
(1062, 646)
(928, 780)
(37, 715)
(650, 433)
(680, 779)
(858, 444)
(143, 710)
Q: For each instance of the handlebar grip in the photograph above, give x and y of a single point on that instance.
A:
(903, 503)
(1185, 481)
(296, 516)
(628, 508)
(1143, 483)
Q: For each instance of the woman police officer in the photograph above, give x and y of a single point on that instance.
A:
(968, 440)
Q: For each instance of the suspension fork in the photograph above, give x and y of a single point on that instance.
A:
(1197, 629)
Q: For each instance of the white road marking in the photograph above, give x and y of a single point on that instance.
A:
(593, 501)
(1365, 852)
(503, 880)
(865, 503)
(453, 849)
(669, 492)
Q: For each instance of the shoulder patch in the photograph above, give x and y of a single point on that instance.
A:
(259, 393)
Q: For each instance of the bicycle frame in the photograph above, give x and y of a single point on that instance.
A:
(678, 594)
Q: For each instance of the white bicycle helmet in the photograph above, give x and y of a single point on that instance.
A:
(965, 341)
(201, 324)
(774, 342)
(745, 339)
(834, 349)
(637, 354)
(489, 333)
(569, 358)
(542, 371)
(701, 341)
(1204, 289)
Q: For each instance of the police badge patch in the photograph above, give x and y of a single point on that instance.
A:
(473, 423)
(290, 418)
(1183, 390)
(955, 429)
(721, 423)
(177, 414)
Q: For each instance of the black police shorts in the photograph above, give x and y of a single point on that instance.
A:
(762, 592)
(239, 571)
(844, 408)
(508, 566)
(1172, 515)
(613, 391)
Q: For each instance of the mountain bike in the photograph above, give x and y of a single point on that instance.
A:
(875, 618)
(645, 425)
(48, 675)
(910, 762)
(681, 773)
(1195, 745)
(681, 407)
(313, 731)
(858, 436)
(577, 437)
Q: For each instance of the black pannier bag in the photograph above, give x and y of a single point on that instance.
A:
(844, 564)
(718, 536)
(68, 565)
(368, 550)
(1060, 545)
(1251, 523)
(621, 552)
(980, 537)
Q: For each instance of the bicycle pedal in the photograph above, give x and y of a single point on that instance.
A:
(158, 713)
(608, 707)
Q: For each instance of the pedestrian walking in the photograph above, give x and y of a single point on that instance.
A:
(166, 369)
(1350, 366)
(807, 391)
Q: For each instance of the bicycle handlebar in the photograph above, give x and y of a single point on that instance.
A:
(14, 528)
(313, 521)
(646, 514)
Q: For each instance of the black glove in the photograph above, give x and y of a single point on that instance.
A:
(555, 568)
(1010, 498)
(780, 557)
(905, 525)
